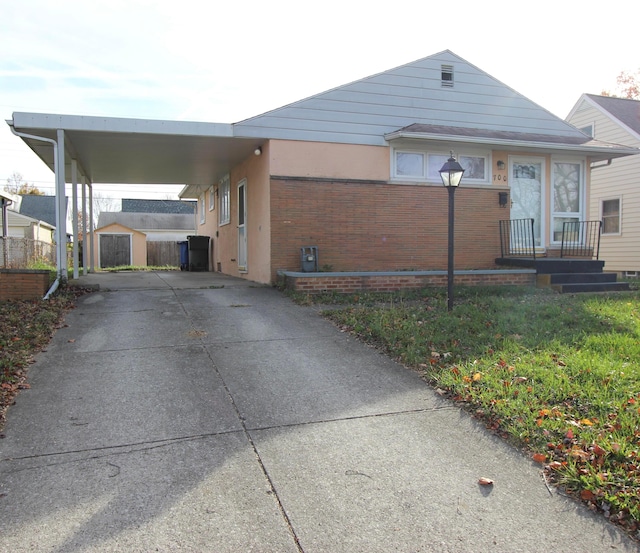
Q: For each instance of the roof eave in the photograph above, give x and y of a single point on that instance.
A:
(594, 152)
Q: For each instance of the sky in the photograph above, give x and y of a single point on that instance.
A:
(227, 60)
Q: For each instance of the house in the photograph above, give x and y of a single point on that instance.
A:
(615, 186)
(23, 223)
(23, 239)
(353, 172)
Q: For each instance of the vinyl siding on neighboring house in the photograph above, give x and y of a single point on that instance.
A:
(619, 180)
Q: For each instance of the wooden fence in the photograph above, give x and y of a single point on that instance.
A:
(163, 253)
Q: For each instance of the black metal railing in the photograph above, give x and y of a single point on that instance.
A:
(581, 239)
(517, 238)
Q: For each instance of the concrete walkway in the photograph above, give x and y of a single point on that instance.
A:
(196, 412)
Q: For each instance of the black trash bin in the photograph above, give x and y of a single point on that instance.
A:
(198, 253)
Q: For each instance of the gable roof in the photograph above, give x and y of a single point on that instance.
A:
(366, 110)
(158, 206)
(624, 110)
(148, 221)
(42, 208)
(113, 228)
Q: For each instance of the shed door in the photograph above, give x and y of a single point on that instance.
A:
(115, 250)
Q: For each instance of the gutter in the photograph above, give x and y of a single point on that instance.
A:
(608, 162)
(56, 283)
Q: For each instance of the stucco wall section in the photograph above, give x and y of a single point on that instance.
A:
(255, 169)
(326, 160)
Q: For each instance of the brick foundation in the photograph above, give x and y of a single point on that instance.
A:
(314, 283)
(23, 284)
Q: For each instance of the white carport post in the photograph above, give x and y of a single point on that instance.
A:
(74, 214)
(61, 220)
(84, 225)
(91, 229)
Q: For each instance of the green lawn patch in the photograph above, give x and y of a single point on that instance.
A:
(556, 374)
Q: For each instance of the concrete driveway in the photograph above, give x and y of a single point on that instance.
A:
(197, 412)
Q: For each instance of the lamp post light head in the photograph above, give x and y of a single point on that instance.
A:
(451, 172)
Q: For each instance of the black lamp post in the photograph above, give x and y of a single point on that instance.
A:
(451, 174)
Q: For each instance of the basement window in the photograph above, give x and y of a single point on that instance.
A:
(446, 78)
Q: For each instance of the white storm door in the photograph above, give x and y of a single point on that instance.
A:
(242, 225)
(527, 182)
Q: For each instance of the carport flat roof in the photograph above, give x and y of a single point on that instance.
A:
(138, 151)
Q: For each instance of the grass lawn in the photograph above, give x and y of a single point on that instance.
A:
(557, 375)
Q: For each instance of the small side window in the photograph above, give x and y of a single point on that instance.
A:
(611, 216)
(201, 209)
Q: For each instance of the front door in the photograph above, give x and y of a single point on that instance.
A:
(526, 180)
(242, 225)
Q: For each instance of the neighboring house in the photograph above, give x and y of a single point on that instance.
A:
(21, 224)
(158, 227)
(116, 245)
(354, 171)
(615, 187)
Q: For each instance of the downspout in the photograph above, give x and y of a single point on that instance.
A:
(56, 283)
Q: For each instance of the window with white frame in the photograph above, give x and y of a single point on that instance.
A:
(567, 197)
(418, 165)
(212, 199)
(201, 209)
(610, 210)
(224, 197)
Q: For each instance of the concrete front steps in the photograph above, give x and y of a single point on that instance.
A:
(569, 275)
(577, 275)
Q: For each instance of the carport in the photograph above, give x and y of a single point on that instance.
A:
(87, 150)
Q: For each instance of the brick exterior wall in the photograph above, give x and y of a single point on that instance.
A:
(346, 283)
(17, 284)
(374, 226)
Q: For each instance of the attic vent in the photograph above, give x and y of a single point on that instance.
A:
(588, 130)
(447, 75)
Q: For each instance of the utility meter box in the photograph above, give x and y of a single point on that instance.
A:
(309, 259)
